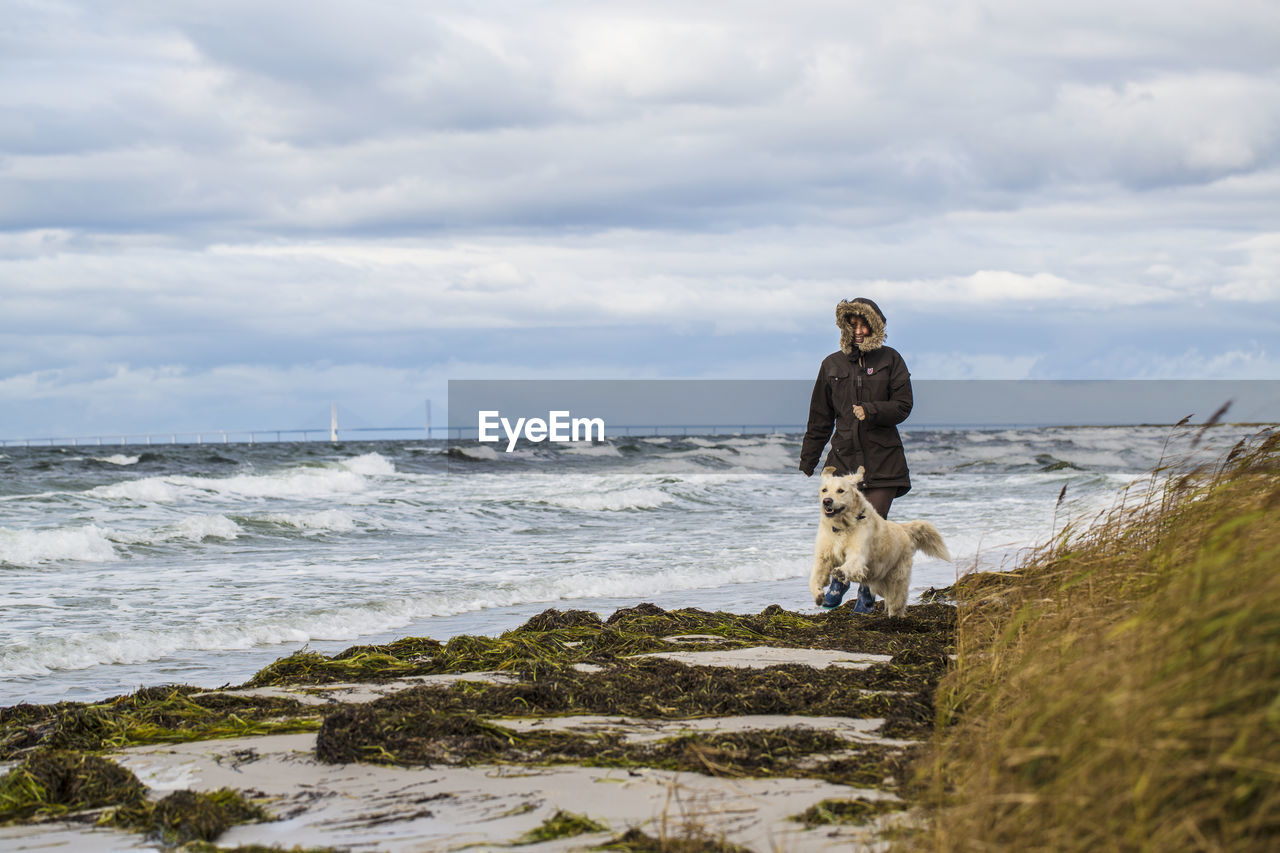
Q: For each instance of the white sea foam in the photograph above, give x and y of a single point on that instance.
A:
(612, 500)
(86, 543)
(193, 528)
(488, 454)
(370, 465)
(329, 519)
(118, 459)
(153, 490)
(300, 483)
(754, 456)
(583, 449)
(197, 529)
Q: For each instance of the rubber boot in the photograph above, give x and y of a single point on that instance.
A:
(866, 601)
(834, 594)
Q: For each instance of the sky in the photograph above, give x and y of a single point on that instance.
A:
(229, 215)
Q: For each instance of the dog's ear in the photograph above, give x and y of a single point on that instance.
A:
(857, 475)
(829, 471)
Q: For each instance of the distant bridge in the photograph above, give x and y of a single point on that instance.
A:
(333, 434)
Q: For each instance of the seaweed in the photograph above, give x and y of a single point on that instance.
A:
(855, 811)
(169, 714)
(206, 847)
(418, 735)
(52, 782)
(562, 824)
(555, 640)
(694, 840)
(183, 816)
(650, 688)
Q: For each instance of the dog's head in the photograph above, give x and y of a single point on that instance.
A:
(840, 494)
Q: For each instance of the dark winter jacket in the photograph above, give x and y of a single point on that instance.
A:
(871, 375)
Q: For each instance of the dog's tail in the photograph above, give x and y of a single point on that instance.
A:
(925, 537)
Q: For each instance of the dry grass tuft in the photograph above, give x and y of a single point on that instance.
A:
(1121, 688)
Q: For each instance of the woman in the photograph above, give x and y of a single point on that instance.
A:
(864, 392)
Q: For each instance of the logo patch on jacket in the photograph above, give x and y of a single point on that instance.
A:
(870, 370)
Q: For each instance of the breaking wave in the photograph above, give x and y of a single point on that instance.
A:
(85, 543)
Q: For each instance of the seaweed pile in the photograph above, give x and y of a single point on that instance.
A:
(558, 663)
(52, 783)
(555, 640)
(169, 714)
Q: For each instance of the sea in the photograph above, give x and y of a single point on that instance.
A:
(133, 566)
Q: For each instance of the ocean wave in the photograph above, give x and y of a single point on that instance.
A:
(194, 529)
(370, 465)
(608, 501)
(483, 454)
(329, 519)
(133, 645)
(151, 490)
(349, 477)
(755, 458)
(584, 449)
(117, 459)
(87, 543)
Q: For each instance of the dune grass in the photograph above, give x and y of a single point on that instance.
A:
(1121, 688)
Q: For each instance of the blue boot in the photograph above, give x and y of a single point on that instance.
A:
(834, 593)
(866, 600)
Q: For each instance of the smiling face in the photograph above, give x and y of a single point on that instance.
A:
(838, 494)
(858, 325)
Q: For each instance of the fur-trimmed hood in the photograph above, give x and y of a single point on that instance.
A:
(868, 311)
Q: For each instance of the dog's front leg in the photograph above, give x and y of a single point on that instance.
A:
(854, 571)
(820, 577)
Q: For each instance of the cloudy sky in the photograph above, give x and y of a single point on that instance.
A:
(228, 214)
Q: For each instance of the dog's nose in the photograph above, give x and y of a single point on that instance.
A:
(827, 501)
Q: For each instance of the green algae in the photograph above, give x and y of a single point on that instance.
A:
(856, 811)
(562, 824)
(416, 736)
(52, 782)
(692, 841)
(169, 714)
(183, 816)
(206, 847)
(555, 640)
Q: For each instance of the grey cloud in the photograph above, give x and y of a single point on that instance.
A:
(302, 186)
(318, 117)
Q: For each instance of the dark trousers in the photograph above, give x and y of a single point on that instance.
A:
(880, 500)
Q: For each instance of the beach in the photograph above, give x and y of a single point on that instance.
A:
(689, 729)
(792, 718)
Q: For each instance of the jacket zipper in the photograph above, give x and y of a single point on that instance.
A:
(857, 401)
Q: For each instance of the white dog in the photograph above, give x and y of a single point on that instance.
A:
(856, 545)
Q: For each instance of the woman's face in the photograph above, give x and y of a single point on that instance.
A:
(859, 327)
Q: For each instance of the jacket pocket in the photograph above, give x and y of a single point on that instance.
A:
(842, 393)
(886, 460)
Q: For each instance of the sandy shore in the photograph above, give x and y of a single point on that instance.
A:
(491, 806)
